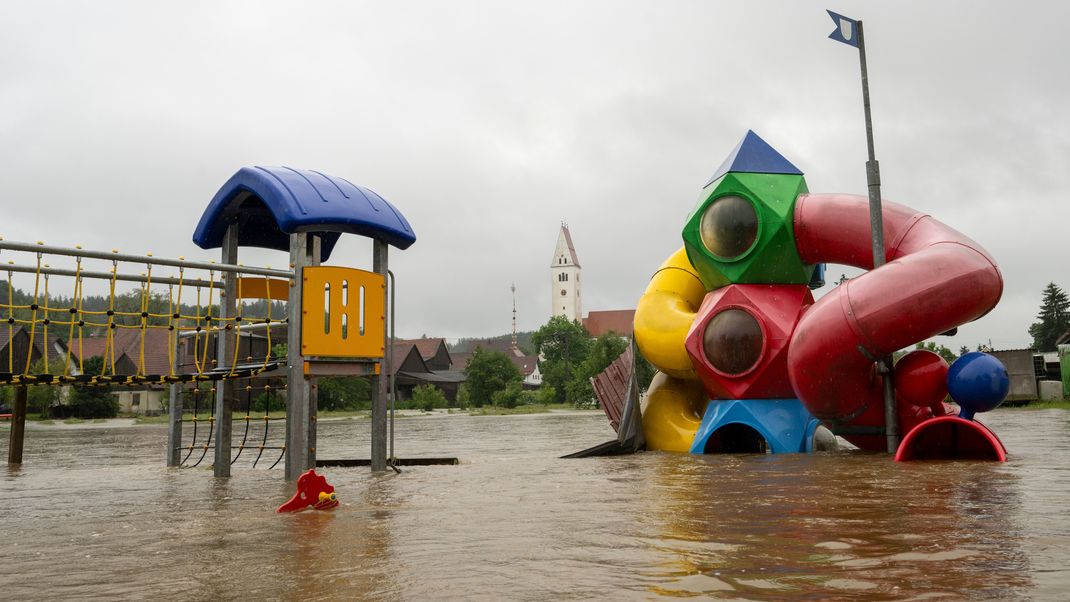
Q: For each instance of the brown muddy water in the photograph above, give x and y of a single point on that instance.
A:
(94, 514)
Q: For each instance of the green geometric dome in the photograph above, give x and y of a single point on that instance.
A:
(742, 231)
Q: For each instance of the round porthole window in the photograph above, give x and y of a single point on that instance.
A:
(729, 227)
(733, 341)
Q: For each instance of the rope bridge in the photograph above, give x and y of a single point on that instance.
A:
(56, 335)
(82, 331)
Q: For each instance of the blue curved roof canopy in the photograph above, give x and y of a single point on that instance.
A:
(270, 203)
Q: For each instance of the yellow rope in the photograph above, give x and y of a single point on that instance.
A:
(10, 323)
(145, 292)
(237, 329)
(40, 312)
(267, 353)
(77, 282)
(208, 320)
(45, 324)
(70, 332)
(81, 320)
(109, 336)
(33, 315)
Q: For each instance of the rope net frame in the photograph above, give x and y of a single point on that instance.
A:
(49, 338)
(184, 303)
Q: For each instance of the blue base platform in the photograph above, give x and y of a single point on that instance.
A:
(741, 425)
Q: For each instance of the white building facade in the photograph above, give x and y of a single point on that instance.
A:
(565, 297)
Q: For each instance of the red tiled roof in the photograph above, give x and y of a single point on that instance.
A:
(128, 341)
(427, 347)
(525, 363)
(618, 321)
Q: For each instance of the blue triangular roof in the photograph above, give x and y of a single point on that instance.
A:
(270, 203)
(754, 155)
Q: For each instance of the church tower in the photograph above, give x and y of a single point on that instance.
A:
(565, 279)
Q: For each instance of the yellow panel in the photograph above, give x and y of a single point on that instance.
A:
(343, 313)
(264, 288)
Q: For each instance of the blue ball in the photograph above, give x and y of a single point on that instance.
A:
(978, 382)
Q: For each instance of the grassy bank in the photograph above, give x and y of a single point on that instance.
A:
(524, 409)
(1056, 404)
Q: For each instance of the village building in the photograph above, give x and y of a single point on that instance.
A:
(527, 364)
(426, 361)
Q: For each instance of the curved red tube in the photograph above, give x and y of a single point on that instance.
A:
(935, 280)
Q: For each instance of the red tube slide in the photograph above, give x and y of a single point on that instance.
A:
(935, 280)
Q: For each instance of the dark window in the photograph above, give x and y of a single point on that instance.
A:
(729, 227)
(733, 341)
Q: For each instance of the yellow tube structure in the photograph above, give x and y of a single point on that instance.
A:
(675, 399)
(673, 413)
(665, 313)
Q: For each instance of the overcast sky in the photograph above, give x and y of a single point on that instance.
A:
(488, 123)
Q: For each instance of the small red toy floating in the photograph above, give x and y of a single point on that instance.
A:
(312, 490)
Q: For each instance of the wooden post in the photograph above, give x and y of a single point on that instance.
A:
(18, 427)
(297, 406)
(380, 390)
(224, 389)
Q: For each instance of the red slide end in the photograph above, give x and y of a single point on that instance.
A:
(951, 438)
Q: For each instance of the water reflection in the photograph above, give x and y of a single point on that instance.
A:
(93, 513)
(808, 524)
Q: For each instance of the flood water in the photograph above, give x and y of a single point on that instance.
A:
(93, 514)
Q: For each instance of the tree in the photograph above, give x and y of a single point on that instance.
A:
(508, 397)
(428, 397)
(1054, 318)
(603, 352)
(96, 401)
(563, 345)
(486, 373)
(343, 393)
(948, 355)
(963, 350)
(40, 399)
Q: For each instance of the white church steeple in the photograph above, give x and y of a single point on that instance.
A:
(565, 279)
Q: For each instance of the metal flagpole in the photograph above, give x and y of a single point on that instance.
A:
(849, 31)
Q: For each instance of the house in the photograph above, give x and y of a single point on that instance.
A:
(617, 321)
(131, 357)
(415, 362)
(15, 342)
(527, 364)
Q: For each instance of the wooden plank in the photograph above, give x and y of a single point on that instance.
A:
(351, 462)
(611, 387)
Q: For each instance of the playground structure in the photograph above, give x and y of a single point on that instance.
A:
(748, 361)
(335, 322)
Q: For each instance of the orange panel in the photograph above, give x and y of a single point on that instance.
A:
(263, 288)
(343, 313)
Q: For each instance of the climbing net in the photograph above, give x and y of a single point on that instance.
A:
(199, 397)
(154, 327)
(50, 337)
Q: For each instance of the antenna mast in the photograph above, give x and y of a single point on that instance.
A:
(512, 287)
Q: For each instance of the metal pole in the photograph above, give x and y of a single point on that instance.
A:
(174, 413)
(314, 242)
(876, 222)
(146, 259)
(296, 384)
(18, 426)
(389, 367)
(379, 403)
(224, 389)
